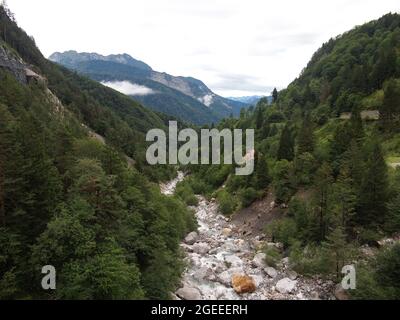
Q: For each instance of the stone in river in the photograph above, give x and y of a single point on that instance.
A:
(285, 285)
(191, 238)
(201, 248)
(188, 293)
(243, 284)
(259, 260)
(271, 272)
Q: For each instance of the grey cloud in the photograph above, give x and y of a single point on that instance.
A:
(228, 81)
(303, 38)
(276, 44)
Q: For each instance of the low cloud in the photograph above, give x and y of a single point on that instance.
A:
(207, 100)
(129, 88)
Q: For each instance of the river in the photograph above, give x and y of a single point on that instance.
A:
(216, 253)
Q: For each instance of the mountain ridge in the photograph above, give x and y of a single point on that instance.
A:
(110, 68)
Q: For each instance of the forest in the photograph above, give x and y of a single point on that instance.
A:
(336, 178)
(71, 199)
(74, 199)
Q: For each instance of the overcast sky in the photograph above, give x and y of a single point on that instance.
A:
(236, 47)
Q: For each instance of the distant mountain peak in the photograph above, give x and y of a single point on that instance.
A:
(184, 97)
(72, 58)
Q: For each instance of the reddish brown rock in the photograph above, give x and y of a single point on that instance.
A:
(243, 284)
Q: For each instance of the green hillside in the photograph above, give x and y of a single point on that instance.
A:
(68, 197)
(333, 187)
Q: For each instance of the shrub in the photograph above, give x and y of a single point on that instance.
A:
(311, 260)
(273, 256)
(247, 196)
(283, 230)
(186, 194)
(227, 203)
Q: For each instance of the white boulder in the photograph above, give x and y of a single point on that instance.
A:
(259, 260)
(285, 285)
(191, 238)
(188, 293)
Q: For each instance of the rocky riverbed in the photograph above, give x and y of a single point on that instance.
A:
(223, 266)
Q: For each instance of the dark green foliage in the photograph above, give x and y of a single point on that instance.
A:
(227, 203)
(390, 109)
(323, 185)
(374, 189)
(283, 231)
(286, 144)
(348, 67)
(392, 224)
(185, 192)
(248, 196)
(305, 137)
(73, 201)
(283, 182)
(388, 269)
(380, 278)
(262, 177)
(274, 95)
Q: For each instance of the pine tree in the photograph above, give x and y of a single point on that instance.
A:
(374, 189)
(5, 148)
(323, 183)
(274, 95)
(354, 161)
(356, 124)
(306, 137)
(345, 197)
(392, 222)
(286, 144)
(265, 130)
(337, 248)
(390, 109)
(262, 173)
(259, 118)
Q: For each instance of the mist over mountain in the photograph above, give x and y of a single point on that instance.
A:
(184, 97)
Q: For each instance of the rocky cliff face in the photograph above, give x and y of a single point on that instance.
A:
(12, 63)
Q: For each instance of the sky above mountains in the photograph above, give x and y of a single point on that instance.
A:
(236, 47)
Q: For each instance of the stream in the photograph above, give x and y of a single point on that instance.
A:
(221, 265)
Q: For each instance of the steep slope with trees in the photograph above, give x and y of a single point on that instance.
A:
(71, 201)
(330, 175)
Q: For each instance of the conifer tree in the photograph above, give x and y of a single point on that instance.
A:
(274, 95)
(286, 144)
(259, 118)
(390, 109)
(262, 173)
(374, 189)
(337, 248)
(306, 137)
(345, 197)
(356, 124)
(323, 184)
